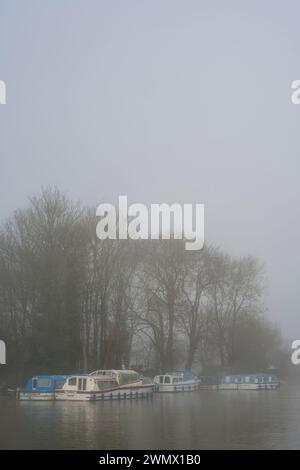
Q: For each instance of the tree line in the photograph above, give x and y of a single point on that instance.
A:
(71, 302)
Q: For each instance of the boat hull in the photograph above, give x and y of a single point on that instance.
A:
(188, 386)
(144, 391)
(258, 386)
(35, 396)
(208, 387)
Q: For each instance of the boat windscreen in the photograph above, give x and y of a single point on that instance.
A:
(128, 377)
(60, 383)
(43, 383)
(106, 384)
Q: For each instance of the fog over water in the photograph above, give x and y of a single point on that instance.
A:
(164, 101)
(196, 420)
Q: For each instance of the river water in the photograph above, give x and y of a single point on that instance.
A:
(195, 420)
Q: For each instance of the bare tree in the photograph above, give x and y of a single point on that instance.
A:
(163, 269)
(193, 304)
(71, 301)
(235, 291)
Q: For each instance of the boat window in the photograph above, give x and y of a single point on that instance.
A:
(60, 384)
(227, 379)
(104, 384)
(176, 380)
(72, 381)
(247, 380)
(127, 377)
(161, 379)
(34, 383)
(167, 379)
(270, 379)
(82, 384)
(45, 383)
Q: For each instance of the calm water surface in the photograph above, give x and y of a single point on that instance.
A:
(196, 420)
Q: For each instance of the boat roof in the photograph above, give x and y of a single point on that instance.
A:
(112, 371)
(49, 382)
(179, 373)
(172, 374)
(104, 377)
(256, 374)
(92, 376)
(55, 377)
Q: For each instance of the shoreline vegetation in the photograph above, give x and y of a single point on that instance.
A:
(71, 302)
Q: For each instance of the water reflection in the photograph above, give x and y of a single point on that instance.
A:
(200, 420)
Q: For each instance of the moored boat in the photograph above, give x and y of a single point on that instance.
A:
(208, 383)
(41, 387)
(260, 381)
(183, 381)
(104, 385)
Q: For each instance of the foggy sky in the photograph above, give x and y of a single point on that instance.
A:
(163, 101)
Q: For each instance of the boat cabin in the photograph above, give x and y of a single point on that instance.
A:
(249, 379)
(122, 377)
(176, 382)
(169, 379)
(87, 383)
(44, 383)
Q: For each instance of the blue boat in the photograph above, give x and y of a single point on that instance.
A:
(258, 381)
(41, 387)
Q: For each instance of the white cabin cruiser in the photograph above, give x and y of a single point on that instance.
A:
(176, 382)
(103, 385)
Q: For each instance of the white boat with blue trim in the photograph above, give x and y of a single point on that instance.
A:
(259, 381)
(184, 381)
